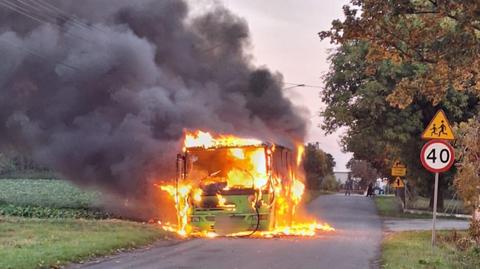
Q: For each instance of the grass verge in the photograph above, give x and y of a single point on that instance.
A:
(50, 243)
(450, 206)
(390, 206)
(413, 250)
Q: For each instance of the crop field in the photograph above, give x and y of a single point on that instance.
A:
(45, 192)
(48, 223)
(48, 198)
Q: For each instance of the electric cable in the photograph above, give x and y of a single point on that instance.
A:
(25, 11)
(38, 55)
(45, 5)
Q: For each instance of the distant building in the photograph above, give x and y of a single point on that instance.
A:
(342, 176)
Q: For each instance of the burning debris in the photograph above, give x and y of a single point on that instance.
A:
(236, 187)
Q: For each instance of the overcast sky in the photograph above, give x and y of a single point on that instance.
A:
(285, 39)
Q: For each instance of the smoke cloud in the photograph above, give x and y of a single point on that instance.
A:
(102, 90)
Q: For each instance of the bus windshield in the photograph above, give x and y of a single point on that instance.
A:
(220, 169)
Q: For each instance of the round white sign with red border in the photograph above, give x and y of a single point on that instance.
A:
(437, 156)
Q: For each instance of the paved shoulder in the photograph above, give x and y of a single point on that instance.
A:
(356, 244)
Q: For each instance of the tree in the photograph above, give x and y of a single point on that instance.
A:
(467, 179)
(377, 132)
(439, 39)
(330, 163)
(329, 183)
(317, 165)
(363, 170)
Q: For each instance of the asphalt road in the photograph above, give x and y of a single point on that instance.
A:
(355, 244)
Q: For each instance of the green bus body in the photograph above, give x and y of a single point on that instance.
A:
(222, 221)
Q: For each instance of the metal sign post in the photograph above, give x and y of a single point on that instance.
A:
(405, 195)
(435, 196)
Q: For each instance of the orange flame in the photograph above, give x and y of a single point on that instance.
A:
(206, 140)
(246, 169)
(300, 151)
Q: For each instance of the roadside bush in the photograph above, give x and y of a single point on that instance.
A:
(474, 231)
(313, 181)
(329, 183)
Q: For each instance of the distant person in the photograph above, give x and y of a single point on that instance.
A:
(348, 187)
(370, 190)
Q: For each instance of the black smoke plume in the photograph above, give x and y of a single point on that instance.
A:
(102, 90)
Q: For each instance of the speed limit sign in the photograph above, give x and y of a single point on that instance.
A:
(437, 156)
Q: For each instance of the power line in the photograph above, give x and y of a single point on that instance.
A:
(69, 18)
(32, 52)
(38, 17)
(39, 6)
(23, 11)
(38, 10)
(19, 10)
(303, 85)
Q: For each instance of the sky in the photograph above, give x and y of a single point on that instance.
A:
(284, 38)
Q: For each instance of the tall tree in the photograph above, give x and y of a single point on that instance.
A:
(439, 38)
(356, 97)
(363, 170)
(317, 165)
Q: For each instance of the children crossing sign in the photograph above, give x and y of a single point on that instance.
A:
(439, 128)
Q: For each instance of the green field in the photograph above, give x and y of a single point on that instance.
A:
(35, 243)
(47, 223)
(47, 193)
(413, 250)
(48, 198)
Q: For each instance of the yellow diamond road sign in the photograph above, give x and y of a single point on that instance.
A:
(398, 183)
(438, 128)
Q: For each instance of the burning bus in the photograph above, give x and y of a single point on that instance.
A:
(233, 186)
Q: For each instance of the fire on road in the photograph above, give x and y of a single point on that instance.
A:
(355, 244)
